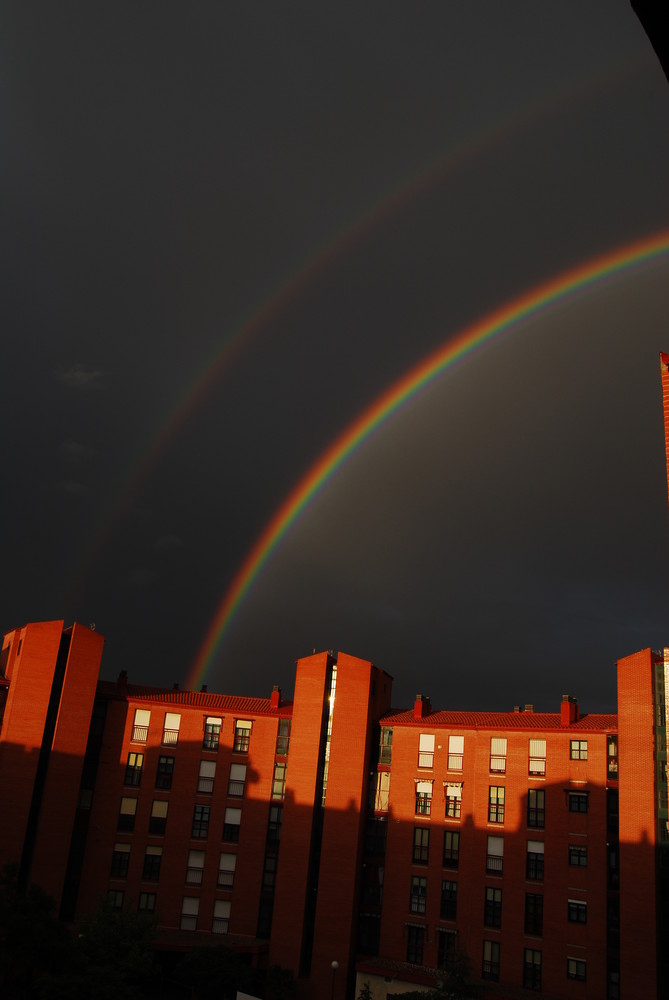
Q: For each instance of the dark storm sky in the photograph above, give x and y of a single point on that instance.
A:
(367, 179)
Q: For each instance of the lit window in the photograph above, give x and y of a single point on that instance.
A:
(576, 969)
(120, 861)
(133, 769)
(425, 750)
(423, 798)
(453, 794)
(578, 802)
(496, 804)
(495, 855)
(279, 781)
(189, 911)
(386, 746)
(200, 828)
(449, 899)
(242, 736)
(381, 791)
(577, 911)
(115, 898)
(231, 824)
(164, 772)
(415, 941)
(147, 902)
(534, 913)
(140, 729)
(221, 916)
(535, 860)
(456, 749)
(490, 965)
(158, 820)
(498, 755)
(126, 816)
(212, 733)
(578, 749)
(532, 969)
(451, 848)
(536, 807)
(152, 858)
(283, 738)
(612, 757)
(171, 729)
(195, 868)
(205, 780)
(537, 764)
(578, 856)
(226, 870)
(417, 901)
(421, 845)
(492, 911)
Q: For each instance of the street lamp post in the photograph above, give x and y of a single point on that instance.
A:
(334, 966)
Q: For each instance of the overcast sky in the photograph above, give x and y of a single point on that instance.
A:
(303, 200)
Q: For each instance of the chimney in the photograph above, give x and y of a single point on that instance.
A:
(569, 712)
(203, 689)
(529, 708)
(275, 699)
(421, 706)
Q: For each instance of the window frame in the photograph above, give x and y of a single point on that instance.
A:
(578, 749)
(421, 845)
(492, 907)
(418, 894)
(496, 799)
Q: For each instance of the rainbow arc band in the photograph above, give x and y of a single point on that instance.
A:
(461, 345)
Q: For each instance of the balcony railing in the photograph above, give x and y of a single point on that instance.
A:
(140, 734)
(494, 864)
(170, 737)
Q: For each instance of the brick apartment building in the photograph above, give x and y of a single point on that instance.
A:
(331, 828)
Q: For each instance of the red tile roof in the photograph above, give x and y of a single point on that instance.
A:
(196, 699)
(500, 720)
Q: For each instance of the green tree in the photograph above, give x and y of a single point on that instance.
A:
(365, 992)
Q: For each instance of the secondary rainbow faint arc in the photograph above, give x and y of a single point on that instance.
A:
(421, 375)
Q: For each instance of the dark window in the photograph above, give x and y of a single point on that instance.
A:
(449, 900)
(492, 914)
(534, 913)
(418, 894)
(446, 947)
(532, 969)
(578, 802)
(375, 836)
(451, 848)
(415, 939)
(158, 818)
(120, 861)
(536, 807)
(147, 902)
(577, 912)
(535, 865)
(490, 966)
(578, 749)
(212, 734)
(283, 738)
(496, 804)
(151, 868)
(576, 969)
(133, 769)
(242, 736)
(421, 845)
(115, 898)
(369, 933)
(578, 856)
(269, 872)
(164, 772)
(274, 824)
(200, 827)
(126, 816)
(231, 825)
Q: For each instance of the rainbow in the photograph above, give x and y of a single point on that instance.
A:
(456, 348)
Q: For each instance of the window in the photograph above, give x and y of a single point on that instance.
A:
(195, 868)
(536, 807)
(369, 932)
(283, 738)
(490, 966)
(418, 894)
(140, 728)
(115, 898)
(534, 913)
(496, 804)
(498, 755)
(535, 860)
(495, 855)
(453, 793)
(578, 802)
(126, 816)
(147, 902)
(381, 791)
(423, 798)
(492, 911)
(158, 820)
(279, 781)
(532, 969)
(274, 824)
(578, 856)
(200, 828)
(415, 939)
(152, 858)
(612, 757)
(212, 733)
(133, 769)
(456, 749)
(421, 845)
(386, 746)
(269, 872)
(120, 861)
(231, 824)
(578, 749)
(451, 848)
(226, 871)
(425, 750)
(189, 911)
(446, 948)
(242, 736)
(164, 772)
(537, 764)
(577, 911)
(576, 968)
(205, 779)
(221, 919)
(449, 900)
(171, 729)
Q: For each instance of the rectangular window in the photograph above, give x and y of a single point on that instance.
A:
(381, 791)
(423, 798)
(537, 764)
(456, 749)
(453, 794)
(578, 749)
(425, 750)
(115, 898)
(226, 871)
(164, 772)
(532, 969)
(120, 861)
(577, 911)
(140, 728)
(221, 919)
(536, 807)
(231, 824)
(283, 738)
(242, 736)
(269, 872)
(576, 969)
(498, 755)
(152, 859)
(578, 856)
(171, 729)
(449, 900)
(200, 828)
(279, 781)
(492, 911)
(578, 802)
(126, 816)
(274, 824)
(421, 845)
(415, 940)
(534, 913)
(612, 757)
(158, 819)
(237, 780)
(212, 733)
(495, 855)
(490, 966)
(451, 848)
(195, 869)
(189, 911)
(496, 804)
(206, 776)
(535, 860)
(446, 948)
(133, 769)
(418, 894)
(386, 746)
(147, 902)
